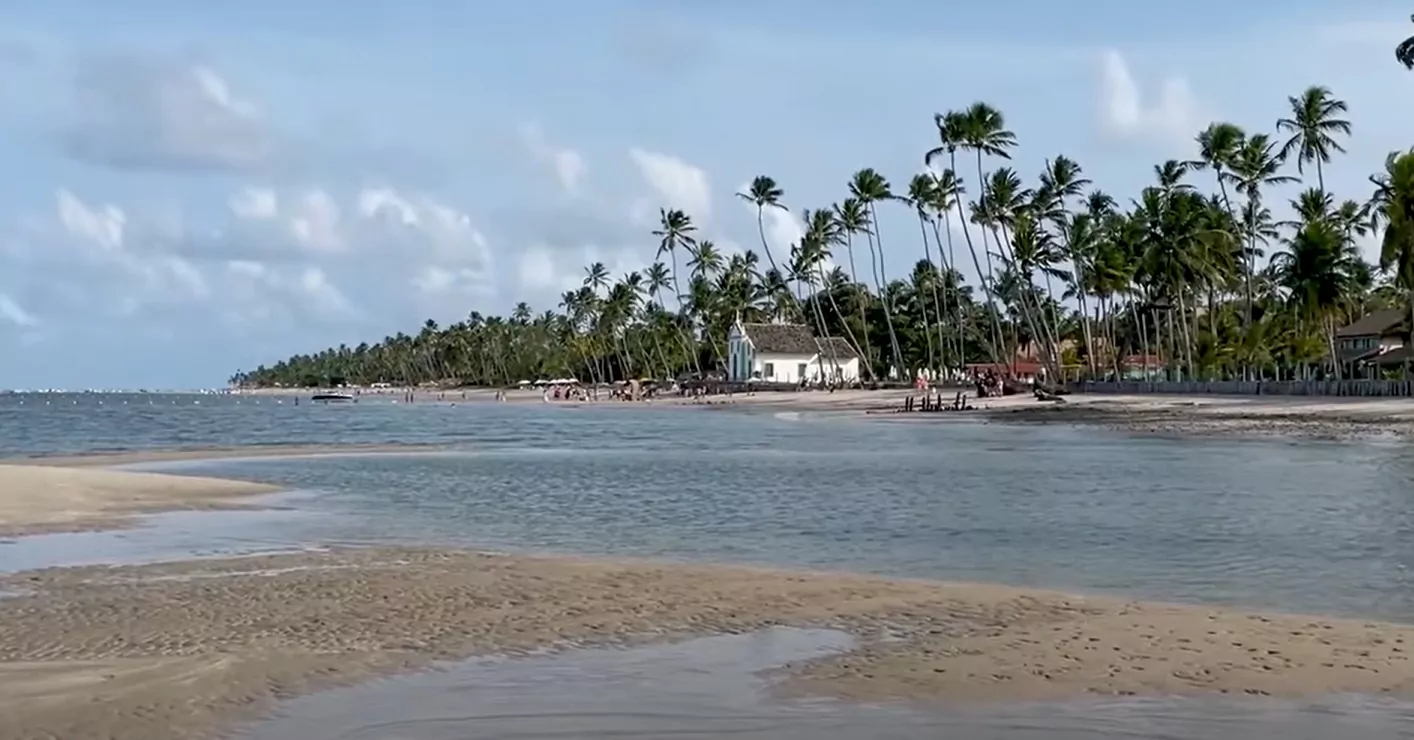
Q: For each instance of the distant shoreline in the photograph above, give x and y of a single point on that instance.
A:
(1349, 418)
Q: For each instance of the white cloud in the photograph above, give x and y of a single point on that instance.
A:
(535, 270)
(141, 113)
(677, 183)
(12, 312)
(315, 222)
(441, 231)
(255, 204)
(280, 259)
(568, 165)
(102, 226)
(1124, 110)
(549, 272)
(254, 293)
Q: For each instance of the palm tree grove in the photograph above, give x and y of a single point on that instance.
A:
(1192, 277)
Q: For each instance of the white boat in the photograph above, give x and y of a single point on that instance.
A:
(333, 397)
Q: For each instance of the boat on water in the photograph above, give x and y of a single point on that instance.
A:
(333, 397)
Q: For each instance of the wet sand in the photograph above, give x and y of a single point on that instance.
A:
(175, 650)
(1311, 417)
(66, 493)
(37, 500)
(114, 458)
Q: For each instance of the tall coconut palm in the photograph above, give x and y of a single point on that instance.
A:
(822, 233)
(922, 195)
(982, 130)
(953, 134)
(1063, 180)
(1256, 167)
(676, 230)
(1319, 270)
(870, 188)
(764, 193)
(853, 218)
(1314, 125)
(1393, 204)
(1404, 52)
(945, 196)
(1218, 147)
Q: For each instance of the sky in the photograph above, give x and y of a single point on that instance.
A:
(192, 189)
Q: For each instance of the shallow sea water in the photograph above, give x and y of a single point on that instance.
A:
(709, 688)
(1291, 525)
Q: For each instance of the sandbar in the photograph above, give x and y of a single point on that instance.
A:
(113, 458)
(176, 650)
(37, 499)
(1285, 416)
(1206, 415)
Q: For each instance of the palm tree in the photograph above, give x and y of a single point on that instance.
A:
(869, 188)
(945, 192)
(922, 196)
(1404, 52)
(981, 129)
(1393, 204)
(1319, 270)
(1314, 124)
(853, 218)
(764, 193)
(675, 229)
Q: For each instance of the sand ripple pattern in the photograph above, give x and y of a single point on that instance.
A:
(164, 651)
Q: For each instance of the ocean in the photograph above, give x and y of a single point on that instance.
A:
(1290, 525)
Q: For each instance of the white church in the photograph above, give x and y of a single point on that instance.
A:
(788, 353)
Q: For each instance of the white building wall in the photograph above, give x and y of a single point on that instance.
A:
(791, 368)
(848, 370)
(783, 368)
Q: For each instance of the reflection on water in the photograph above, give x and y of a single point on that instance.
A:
(177, 535)
(1304, 527)
(709, 688)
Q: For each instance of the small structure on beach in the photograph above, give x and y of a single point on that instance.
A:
(788, 353)
(1376, 341)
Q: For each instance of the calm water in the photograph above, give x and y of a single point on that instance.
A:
(1301, 526)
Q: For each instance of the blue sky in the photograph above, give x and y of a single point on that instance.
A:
(196, 188)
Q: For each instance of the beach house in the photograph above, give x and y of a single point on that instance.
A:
(1375, 341)
(788, 353)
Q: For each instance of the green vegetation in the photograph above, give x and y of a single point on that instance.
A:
(1193, 269)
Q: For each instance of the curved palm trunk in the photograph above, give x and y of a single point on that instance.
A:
(1036, 321)
(823, 332)
(849, 333)
(689, 342)
(885, 297)
(933, 288)
(863, 317)
(951, 265)
(983, 279)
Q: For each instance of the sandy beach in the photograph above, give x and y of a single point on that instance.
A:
(175, 650)
(71, 493)
(39, 499)
(1314, 417)
(135, 457)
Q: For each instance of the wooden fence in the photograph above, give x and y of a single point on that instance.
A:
(1356, 388)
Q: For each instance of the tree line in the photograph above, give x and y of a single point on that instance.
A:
(1194, 270)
